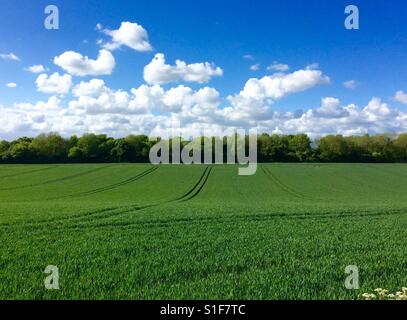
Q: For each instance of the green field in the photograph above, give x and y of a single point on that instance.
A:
(134, 231)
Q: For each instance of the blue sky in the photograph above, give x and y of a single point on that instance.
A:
(296, 33)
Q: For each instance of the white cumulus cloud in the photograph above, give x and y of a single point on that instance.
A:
(158, 72)
(37, 68)
(280, 85)
(79, 65)
(330, 108)
(401, 97)
(94, 97)
(153, 109)
(129, 34)
(94, 87)
(253, 103)
(255, 67)
(9, 56)
(276, 66)
(350, 84)
(375, 118)
(377, 110)
(11, 85)
(54, 84)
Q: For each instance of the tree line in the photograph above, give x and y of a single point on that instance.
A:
(53, 148)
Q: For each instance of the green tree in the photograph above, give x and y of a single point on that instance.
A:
(139, 147)
(21, 151)
(333, 148)
(75, 154)
(299, 147)
(121, 151)
(95, 147)
(50, 147)
(279, 148)
(72, 142)
(401, 144)
(4, 150)
(383, 149)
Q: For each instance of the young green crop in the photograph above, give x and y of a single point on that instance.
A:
(134, 231)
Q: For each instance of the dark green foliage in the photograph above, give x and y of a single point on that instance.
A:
(49, 148)
(334, 149)
(121, 151)
(52, 148)
(4, 149)
(139, 148)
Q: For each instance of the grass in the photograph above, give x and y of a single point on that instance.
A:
(133, 231)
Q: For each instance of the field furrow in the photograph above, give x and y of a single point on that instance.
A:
(283, 186)
(116, 185)
(62, 179)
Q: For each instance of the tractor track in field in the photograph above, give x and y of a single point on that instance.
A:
(234, 218)
(73, 176)
(248, 218)
(190, 194)
(197, 188)
(283, 186)
(116, 211)
(27, 172)
(109, 187)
